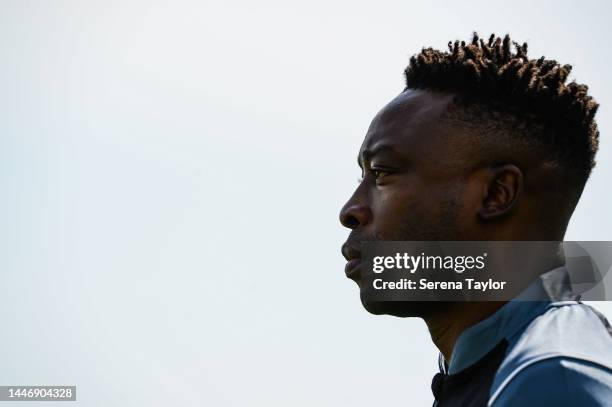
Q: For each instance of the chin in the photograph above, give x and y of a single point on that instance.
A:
(402, 309)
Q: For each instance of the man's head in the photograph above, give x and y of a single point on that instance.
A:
(482, 144)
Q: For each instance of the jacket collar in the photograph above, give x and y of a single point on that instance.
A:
(477, 340)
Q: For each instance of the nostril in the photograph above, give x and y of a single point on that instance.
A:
(350, 222)
(354, 215)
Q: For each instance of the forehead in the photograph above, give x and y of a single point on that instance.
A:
(405, 121)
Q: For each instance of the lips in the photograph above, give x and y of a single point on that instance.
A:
(353, 257)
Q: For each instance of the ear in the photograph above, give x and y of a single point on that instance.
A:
(502, 192)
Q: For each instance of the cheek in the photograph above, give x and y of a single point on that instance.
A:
(393, 207)
(404, 196)
(415, 210)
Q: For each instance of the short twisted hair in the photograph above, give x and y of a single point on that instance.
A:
(560, 116)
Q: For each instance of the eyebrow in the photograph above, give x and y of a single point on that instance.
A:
(377, 149)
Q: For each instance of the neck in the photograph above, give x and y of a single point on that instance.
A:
(449, 322)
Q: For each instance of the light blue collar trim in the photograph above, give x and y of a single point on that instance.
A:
(479, 339)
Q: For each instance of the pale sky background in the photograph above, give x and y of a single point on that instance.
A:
(172, 173)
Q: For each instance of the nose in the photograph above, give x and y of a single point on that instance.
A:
(355, 213)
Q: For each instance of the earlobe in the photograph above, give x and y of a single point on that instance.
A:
(502, 192)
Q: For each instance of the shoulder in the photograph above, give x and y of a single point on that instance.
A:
(558, 382)
(560, 353)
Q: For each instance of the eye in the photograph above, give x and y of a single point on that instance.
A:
(379, 173)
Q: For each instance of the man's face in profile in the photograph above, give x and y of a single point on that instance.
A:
(415, 181)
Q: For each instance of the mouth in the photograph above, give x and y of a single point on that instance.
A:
(353, 257)
(352, 269)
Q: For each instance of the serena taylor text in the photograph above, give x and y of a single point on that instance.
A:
(424, 284)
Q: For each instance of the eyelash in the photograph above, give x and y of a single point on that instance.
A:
(376, 176)
(375, 171)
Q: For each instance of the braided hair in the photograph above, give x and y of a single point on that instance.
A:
(497, 77)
